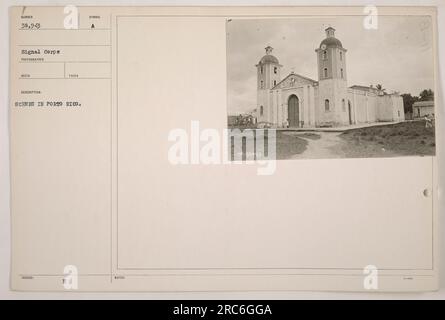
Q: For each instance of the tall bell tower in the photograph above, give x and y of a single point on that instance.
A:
(332, 79)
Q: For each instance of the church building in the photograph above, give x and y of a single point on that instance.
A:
(296, 101)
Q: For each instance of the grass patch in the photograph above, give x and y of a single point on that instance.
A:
(406, 138)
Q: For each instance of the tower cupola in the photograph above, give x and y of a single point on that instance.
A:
(268, 73)
(330, 40)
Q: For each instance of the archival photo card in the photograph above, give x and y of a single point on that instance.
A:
(123, 120)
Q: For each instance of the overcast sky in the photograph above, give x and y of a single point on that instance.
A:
(398, 54)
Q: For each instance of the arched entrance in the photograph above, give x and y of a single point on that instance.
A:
(293, 112)
(350, 112)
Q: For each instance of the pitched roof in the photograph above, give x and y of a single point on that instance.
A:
(365, 88)
(428, 103)
(293, 74)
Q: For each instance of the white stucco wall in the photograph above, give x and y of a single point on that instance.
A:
(423, 111)
(366, 106)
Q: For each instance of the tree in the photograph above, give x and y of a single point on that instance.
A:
(426, 95)
(408, 101)
(380, 88)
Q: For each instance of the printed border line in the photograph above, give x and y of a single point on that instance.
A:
(111, 147)
(117, 145)
(23, 276)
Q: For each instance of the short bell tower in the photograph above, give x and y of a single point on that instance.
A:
(268, 76)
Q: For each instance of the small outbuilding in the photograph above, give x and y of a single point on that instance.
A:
(423, 108)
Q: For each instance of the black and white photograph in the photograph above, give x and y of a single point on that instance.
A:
(334, 87)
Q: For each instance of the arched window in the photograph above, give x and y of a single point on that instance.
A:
(326, 105)
(262, 84)
(261, 110)
(274, 83)
(325, 55)
(275, 69)
(341, 55)
(261, 69)
(343, 104)
(325, 72)
(341, 72)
